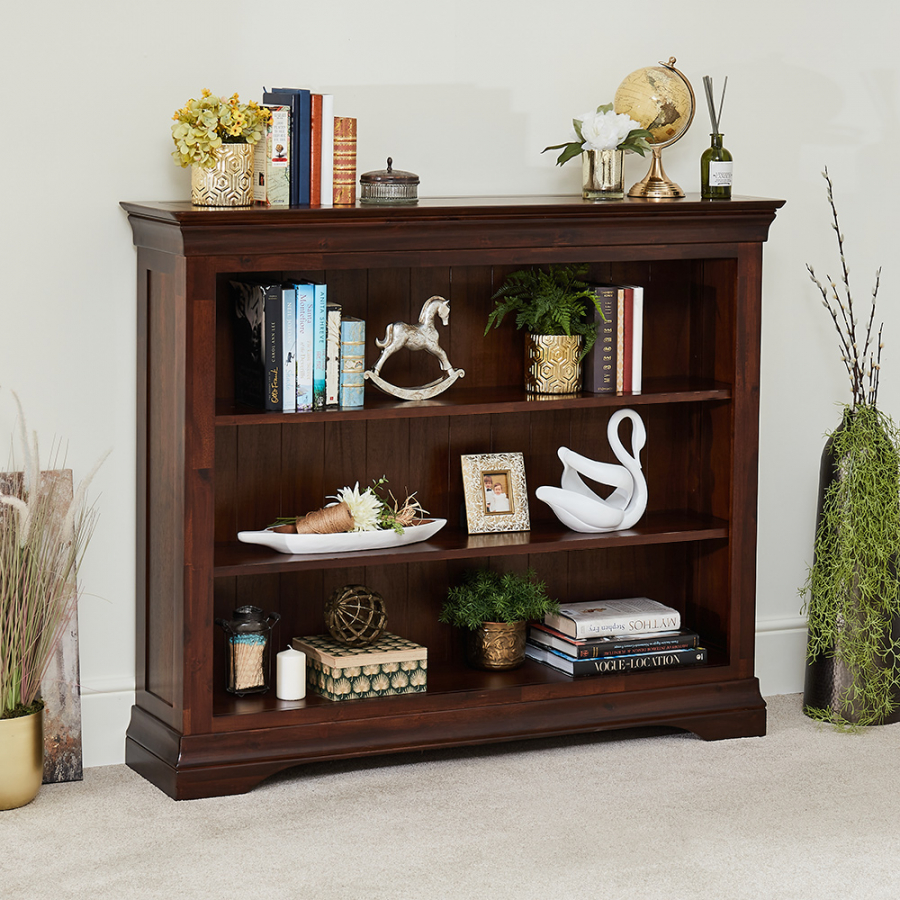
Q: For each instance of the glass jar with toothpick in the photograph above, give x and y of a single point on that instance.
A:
(247, 640)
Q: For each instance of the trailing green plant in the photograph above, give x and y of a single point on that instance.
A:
(852, 589)
(554, 300)
(487, 596)
(43, 537)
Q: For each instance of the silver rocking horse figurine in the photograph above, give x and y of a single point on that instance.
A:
(423, 336)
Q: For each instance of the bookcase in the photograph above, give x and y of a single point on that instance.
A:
(208, 468)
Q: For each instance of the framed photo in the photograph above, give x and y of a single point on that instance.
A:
(495, 492)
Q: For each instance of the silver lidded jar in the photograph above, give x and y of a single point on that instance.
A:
(388, 186)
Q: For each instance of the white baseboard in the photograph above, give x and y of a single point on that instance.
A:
(105, 715)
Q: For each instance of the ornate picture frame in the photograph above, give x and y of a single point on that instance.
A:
(505, 508)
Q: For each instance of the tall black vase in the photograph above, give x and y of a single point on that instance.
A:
(828, 679)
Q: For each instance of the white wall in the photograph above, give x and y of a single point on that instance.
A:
(466, 94)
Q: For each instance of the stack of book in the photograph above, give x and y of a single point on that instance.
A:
(293, 348)
(614, 364)
(611, 636)
(308, 156)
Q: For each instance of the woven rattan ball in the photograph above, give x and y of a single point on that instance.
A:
(355, 615)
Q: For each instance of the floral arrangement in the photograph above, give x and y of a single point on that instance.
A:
(202, 126)
(372, 509)
(604, 130)
(42, 542)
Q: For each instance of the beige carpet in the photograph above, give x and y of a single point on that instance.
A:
(802, 813)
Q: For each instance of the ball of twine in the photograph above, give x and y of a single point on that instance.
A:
(355, 615)
(330, 520)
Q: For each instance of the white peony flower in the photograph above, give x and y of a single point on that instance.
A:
(364, 506)
(605, 130)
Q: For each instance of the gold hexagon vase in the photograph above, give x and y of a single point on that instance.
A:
(21, 759)
(229, 182)
(496, 645)
(551, 363)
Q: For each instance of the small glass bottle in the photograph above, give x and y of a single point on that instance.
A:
(715, 171)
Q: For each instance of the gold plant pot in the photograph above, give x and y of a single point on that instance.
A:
(551, 363)
(496, 645)
(21, 759)
(229, 182)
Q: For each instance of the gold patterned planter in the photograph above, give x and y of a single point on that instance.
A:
(229, 182)
(551, 363)
(21, 759)
(496, 645)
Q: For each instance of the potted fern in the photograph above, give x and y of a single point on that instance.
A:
(494, 607)
(44, 531)
(853, 586)
(556, 309)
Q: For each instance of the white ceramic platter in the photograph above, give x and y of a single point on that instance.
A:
(346, 542)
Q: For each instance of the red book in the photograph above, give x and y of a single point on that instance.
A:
(315, 150)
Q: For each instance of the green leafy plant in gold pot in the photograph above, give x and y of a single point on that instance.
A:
(852, 592)
(494, 608)
(554, 305)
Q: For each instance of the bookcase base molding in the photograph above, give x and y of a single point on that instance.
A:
(209, 467)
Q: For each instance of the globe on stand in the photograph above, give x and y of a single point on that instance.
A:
(661, 99)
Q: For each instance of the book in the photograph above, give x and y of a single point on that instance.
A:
(298, 99)
(639, 662)
(637, 337)
(600, 363)
(631, 615)
(327, 175)
(612, 644)
(333, 354)
(353, 361)
(621, 325)
(344, 168)
(289, 348)
(271, 161)
(315, 150)
(306, 303)
(320, 329)
(258, 344)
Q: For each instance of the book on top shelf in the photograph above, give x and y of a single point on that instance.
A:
(258, 344)
(630, 615)
(344, 168)
(315, 150)
(272, 159)
(299, 101)
(639, 662)
(612, 644)
(326, 189)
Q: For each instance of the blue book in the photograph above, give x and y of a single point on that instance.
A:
(320, 336)
(353, 361)
(300, 102)
(305, 295)
(289, 348)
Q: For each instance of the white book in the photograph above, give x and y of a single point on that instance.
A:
(289, 348)
(333, 355)
(327, 150)
(305, 333)
(631, 615)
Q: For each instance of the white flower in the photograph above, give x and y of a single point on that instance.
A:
(605, 130)
(365, 507)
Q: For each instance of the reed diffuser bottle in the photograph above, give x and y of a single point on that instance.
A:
(716, 161)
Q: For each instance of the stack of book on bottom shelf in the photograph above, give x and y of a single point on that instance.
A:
(611, 636)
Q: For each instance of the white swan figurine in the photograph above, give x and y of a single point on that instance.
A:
(578, 507)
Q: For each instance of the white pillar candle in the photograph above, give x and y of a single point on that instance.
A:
(290, 671)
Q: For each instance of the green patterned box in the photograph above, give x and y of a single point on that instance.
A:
(392, 665)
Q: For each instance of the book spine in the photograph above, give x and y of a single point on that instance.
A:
(333, 355)
(273, 336)
(327, 186)
(344, 192)
(600, 363)
(320, 331)
(620, 340)
(640, 662)
(607, 650)
(289, 348)
(305, 319)
(315, 150)
(628, 336)
(637, 340)
(353, 361)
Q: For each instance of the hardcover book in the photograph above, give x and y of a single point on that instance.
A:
(333, 355)
(258, 344)
(271, 161)
(327, 186)
(612, 644)
(289, 348)
(315, 150)
(640, 662)
(631, 615)
(306, 304)
(344, 161)
(353, 361)
(298, 99)
(600, 363)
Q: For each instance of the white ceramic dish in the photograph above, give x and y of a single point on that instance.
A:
(344, 542)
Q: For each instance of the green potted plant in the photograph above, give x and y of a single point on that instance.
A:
(853, 586)
(215, 137)
(44, 531)
(555, 307)
(494, 607)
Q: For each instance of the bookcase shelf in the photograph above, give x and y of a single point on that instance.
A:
(208, 468)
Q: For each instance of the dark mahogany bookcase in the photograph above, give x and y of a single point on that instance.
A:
(208, 468)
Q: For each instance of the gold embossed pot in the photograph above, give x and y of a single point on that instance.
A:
(229, 182)
(21, 759)
(496, 645)
(551, 363)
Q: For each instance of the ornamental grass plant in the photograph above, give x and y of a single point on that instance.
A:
(43, 537)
